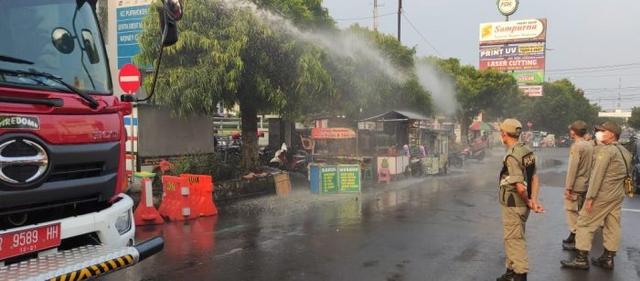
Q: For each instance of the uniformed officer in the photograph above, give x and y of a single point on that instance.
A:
(577, 180)
(518, 193)
(603, 203)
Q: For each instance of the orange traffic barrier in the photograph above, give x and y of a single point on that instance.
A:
(146, 213)
(201, 194)
(176, 205)
(384, 175)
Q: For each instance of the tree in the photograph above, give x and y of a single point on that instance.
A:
(561, 104)
(634, 121)
(226, 54)
(378, 78)
(490, 92)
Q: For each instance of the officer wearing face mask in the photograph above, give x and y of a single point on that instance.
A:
(603, 204)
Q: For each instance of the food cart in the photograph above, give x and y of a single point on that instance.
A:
(335, 167)
(437, 140)
(398, 138)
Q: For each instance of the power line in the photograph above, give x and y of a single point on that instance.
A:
(587, 75)
(599, 67)
(364, 18)
(420, 33)
(616, 88)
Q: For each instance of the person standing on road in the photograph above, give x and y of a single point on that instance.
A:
(603, 204)
(577, 180)
(518, 194)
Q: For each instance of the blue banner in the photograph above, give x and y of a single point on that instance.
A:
(129, 27)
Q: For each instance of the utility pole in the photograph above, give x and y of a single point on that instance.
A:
(619, 91)
(400, 20)
(375, 15)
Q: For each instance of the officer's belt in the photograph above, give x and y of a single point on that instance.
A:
(509, 197)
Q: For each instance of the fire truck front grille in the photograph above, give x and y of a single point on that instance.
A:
(20, 173)
(76, 171)
(19, 149)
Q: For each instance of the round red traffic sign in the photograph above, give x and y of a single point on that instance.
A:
(129, 78)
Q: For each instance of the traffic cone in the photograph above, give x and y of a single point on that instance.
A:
(146, 213)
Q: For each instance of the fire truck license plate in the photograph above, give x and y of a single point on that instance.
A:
(22, 242)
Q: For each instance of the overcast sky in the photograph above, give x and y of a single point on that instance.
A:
(582, 33)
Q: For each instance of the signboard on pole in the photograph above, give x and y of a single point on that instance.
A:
(513, 64)
(521, 31)
(532, 91)
(522, 50)
(507, 7)
(529, 77)
(129, 27)
(516, 47)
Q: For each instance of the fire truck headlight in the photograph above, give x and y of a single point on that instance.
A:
(123, 223)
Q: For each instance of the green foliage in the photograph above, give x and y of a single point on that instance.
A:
(496, 95)
(490, 92)
(206, 164)
(364, 85)
(561, 104)
(634, 121)
(227, 55)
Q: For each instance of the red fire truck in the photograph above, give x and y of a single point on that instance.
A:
(63, 213)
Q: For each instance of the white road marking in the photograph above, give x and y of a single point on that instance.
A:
(631, 210)
(129, 78)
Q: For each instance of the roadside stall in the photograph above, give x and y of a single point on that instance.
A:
(436, 162)
(404, 142)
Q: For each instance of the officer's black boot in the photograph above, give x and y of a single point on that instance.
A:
(569, 246)
(571, 239)
(579, 262)
(507, 276)
(520, 277)
(605, 261)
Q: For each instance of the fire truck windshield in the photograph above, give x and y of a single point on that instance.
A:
(60, 37)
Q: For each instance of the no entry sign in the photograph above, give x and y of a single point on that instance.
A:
(129, 78)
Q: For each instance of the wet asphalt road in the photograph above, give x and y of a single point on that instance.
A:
(439, 228)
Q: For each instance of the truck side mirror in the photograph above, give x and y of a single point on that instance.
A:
(170, 13)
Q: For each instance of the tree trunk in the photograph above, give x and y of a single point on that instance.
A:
(249, 114)
(464, 129)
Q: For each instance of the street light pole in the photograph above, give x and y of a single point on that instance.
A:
(399, 20)
(375, 15)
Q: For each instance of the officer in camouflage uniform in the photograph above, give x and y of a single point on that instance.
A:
(518, 193)
(603, 205)
(577, 180)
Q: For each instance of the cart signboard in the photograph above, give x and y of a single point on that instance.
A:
(349, 178)
(329, 179)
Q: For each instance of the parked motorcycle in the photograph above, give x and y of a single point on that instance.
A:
(415, 167)
(478, 154)
(282, 160)
(455, 160)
